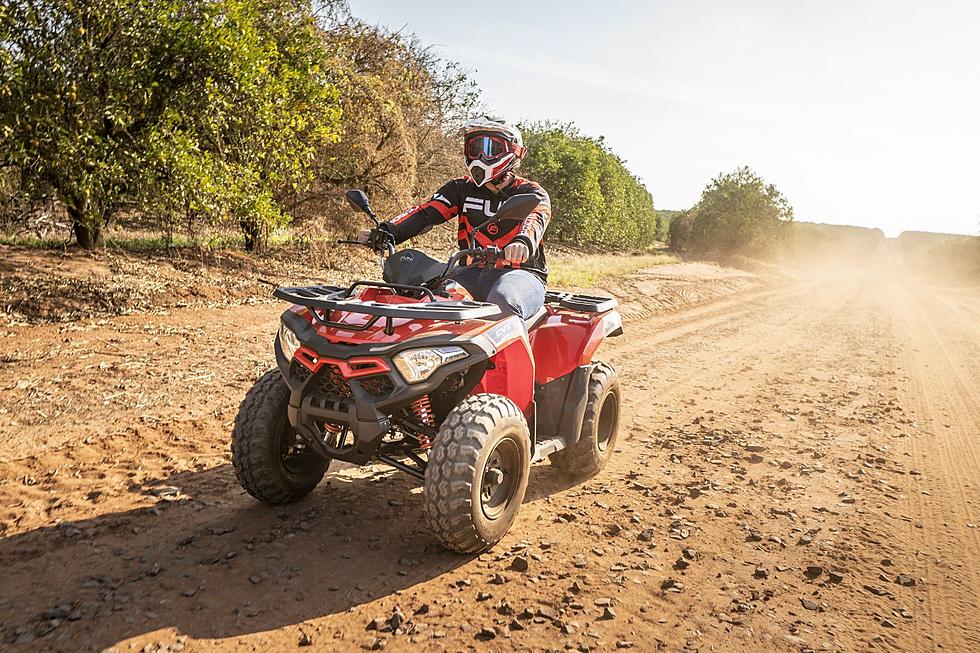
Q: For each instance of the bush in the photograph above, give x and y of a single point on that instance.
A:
(738, 213)
(595, 199)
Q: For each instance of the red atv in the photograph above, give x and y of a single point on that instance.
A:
(410, 371)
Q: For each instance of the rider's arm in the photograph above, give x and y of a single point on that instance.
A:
(532, 229)
(442, 207)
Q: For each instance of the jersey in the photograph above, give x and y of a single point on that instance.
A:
(472, 206)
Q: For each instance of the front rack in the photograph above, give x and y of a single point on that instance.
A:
(339, 298)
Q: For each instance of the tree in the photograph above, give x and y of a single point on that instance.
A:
(595, 198)
(679, 231)
(172, 106)
(402, 108)
(738, 213)
(665, 218)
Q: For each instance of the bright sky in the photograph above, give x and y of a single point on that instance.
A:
(861, 112)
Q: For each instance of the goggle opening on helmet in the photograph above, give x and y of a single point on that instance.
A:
(488, 148)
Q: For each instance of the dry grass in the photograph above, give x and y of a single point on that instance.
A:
(581, 270)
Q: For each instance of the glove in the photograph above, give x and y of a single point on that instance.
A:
(516, 253)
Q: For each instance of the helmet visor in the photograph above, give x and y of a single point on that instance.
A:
(487, 148)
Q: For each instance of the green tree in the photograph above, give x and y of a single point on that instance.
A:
(679, 231)
(738, 213)
(174, 106)
(595, 198)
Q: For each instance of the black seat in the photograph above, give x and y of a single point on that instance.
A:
(411, 267)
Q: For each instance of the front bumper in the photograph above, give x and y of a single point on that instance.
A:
(364, 404)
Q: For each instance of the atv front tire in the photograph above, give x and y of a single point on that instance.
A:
(270, 459)
(600, 427)
(477, 473)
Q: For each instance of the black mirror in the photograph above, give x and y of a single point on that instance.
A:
(517, 207)
(359, 200)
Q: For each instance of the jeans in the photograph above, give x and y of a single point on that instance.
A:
(516, 292)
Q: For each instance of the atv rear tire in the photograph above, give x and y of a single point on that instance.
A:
(477, 473)
(270, 459)
(600, 427)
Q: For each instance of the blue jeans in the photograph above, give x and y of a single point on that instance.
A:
(516, 292)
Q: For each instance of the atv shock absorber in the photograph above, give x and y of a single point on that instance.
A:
(333, 432)
(422, 410)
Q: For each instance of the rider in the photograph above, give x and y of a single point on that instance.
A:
(492, 150)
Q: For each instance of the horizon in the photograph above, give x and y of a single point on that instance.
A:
(867, 116)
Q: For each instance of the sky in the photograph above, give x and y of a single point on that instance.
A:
(861, 112)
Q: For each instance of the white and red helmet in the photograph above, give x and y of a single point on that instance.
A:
(491, 148)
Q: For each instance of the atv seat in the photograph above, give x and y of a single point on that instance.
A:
(411, 267)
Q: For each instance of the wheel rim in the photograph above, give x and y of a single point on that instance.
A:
(499, 478)
(607, 421)
(293, 454)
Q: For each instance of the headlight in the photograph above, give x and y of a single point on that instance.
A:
(417, 365)
(288, 341)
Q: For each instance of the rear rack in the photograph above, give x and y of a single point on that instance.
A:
(338, 298)
(581, 303)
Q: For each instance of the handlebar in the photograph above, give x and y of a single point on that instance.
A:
(489, 254)
(382, 241)
(379, 241)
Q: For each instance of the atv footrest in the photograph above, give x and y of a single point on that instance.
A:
(546, 448)
(583, 303)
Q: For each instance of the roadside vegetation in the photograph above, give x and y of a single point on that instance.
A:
(826, 245)
(224, 122)
(146, 126)
(572, 269)
(738, 213)
(741, 219)
(948, 256)
(598, 199)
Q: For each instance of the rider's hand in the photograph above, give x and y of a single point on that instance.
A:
(363, 236)
(516, 253)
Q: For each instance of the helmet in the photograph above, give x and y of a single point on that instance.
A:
(491, 148)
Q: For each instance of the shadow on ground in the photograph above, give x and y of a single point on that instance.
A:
(211, 562)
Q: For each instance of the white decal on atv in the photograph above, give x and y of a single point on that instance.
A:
(504, 331)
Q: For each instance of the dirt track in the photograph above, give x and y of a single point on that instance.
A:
(798, 468)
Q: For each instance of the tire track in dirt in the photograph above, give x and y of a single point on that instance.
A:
(942, 394)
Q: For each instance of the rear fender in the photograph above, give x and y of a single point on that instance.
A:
(567, 340)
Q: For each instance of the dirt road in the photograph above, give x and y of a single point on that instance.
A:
(798, 469)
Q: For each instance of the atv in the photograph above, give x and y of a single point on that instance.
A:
(412, 372)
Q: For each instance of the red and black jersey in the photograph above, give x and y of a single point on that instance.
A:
(473, 205)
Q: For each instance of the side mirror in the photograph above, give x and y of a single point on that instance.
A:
(359, 200)
(517, 207)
